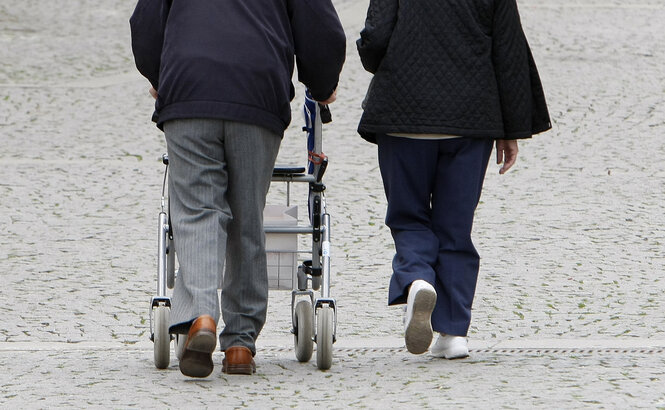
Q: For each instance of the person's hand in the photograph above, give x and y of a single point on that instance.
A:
(153, 92)
(330, 99)
(506, 153)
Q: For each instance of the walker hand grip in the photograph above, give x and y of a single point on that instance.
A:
(326, 115)
(322, 169)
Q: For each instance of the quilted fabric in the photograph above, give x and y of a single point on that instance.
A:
(460, 67)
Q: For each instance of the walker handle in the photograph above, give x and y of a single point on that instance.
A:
(326, 115)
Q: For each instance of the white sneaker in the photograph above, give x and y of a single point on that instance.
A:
(418, 324)
(450, 347)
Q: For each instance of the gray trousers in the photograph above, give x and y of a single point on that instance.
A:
(219, 175)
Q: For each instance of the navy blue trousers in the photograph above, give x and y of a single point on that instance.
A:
(433, 188)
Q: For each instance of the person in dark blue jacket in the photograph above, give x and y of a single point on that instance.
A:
(451, 79)
(221, 74)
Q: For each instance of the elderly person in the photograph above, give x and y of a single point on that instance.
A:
(451, 80)
(221, 73)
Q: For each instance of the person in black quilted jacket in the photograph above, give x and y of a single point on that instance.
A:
(452, 79)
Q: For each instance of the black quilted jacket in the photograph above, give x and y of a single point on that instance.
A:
(458, 67)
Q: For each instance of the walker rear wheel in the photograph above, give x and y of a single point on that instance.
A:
(161, 337)
(170, 264)
(179, 345)
(324, 338)
(302, 335)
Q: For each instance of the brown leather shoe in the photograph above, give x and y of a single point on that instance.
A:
(196, 360)
(238, 360)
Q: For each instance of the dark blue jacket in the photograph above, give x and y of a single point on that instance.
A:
(234, 59)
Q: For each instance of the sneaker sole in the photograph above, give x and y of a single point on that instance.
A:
(457, 356)
(418, 333)
(452, 355)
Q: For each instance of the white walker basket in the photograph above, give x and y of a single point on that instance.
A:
(281, 248)
(314, 316)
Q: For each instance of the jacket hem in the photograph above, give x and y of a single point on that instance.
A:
(223, 111)
(369, 132)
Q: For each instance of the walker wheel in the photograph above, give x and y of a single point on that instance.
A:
(179, 345)
(316, 282)
(302, 335)
(170, 264)
(161, 337)
(324, 338)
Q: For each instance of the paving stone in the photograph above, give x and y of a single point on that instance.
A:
(568, 310)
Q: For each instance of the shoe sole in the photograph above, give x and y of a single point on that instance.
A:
(196, 359)
(457, 356)
(418, 333)
(246, 369)
(451, 355)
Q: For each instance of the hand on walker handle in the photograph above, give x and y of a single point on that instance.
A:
(506, 153)
(153, 92)
(330, 99)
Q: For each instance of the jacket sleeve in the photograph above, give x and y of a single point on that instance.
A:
(540, 116)
(320, 45)
(374, 38)
(147, 25)
(512, 65)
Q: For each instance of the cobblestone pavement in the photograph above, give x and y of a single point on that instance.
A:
(569, 309)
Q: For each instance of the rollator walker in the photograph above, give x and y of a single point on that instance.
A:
(313, 315)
